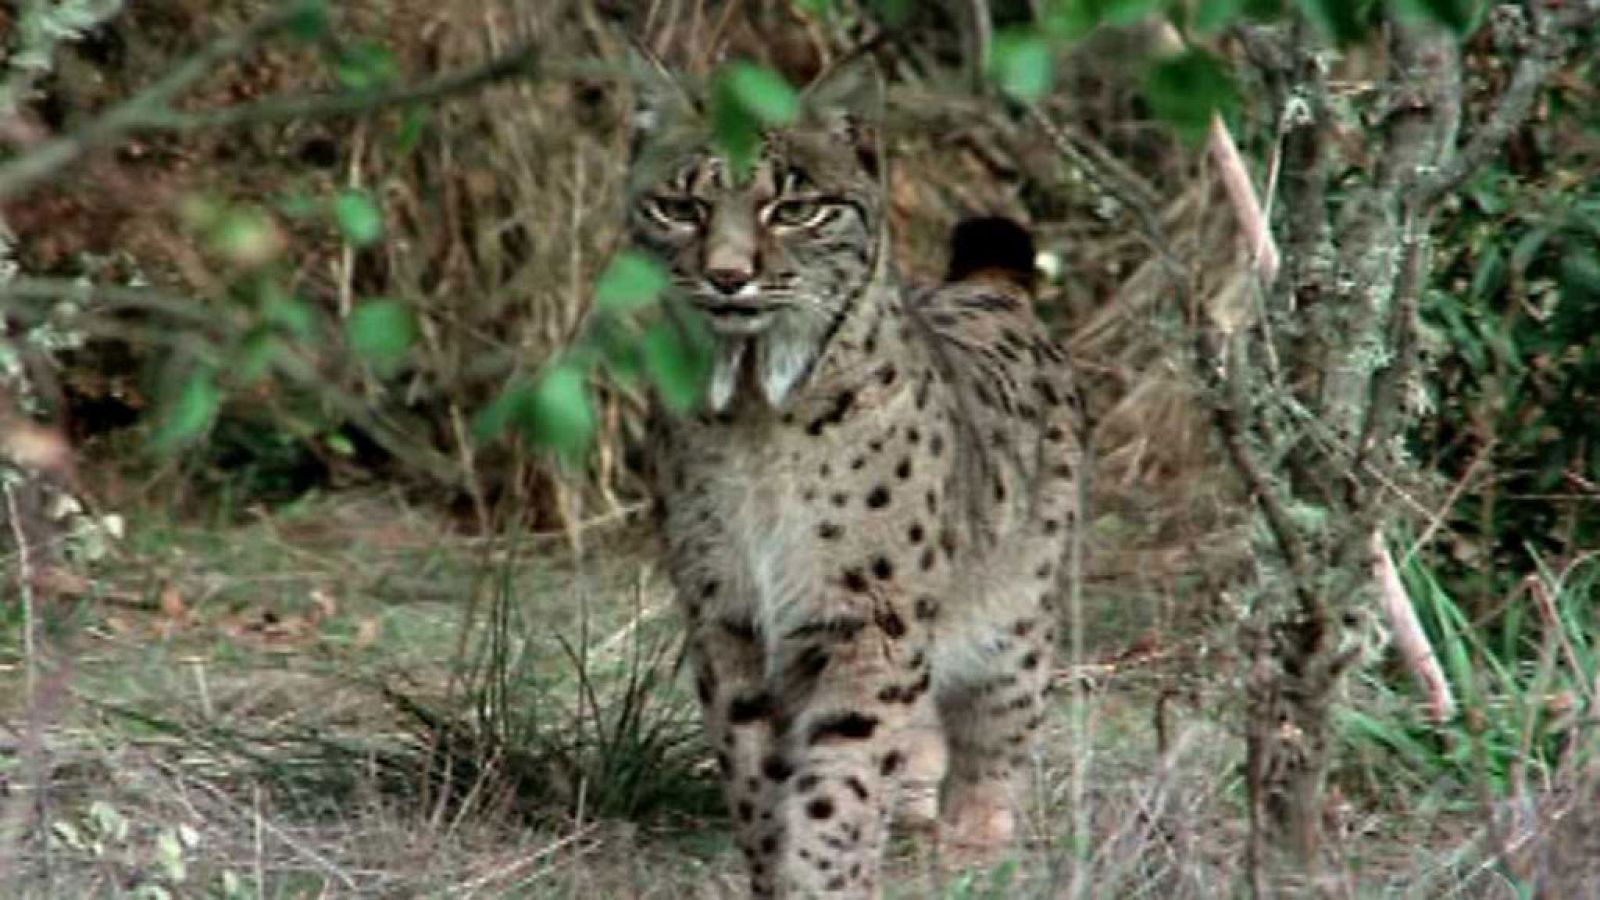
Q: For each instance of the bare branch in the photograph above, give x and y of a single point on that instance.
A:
(52, 155)
(1542, 44)
(1125, 189)
(151, 109)
(517, 62)
(1409, 637)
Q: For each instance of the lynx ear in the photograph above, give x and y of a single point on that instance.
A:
(852, 87)
(848, 99)
(657, 95)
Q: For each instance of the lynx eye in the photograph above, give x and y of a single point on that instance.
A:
(794, 213)
(670, 210)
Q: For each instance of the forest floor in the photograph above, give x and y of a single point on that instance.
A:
(249, 707)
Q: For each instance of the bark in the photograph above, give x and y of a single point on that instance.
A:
(1313, 441)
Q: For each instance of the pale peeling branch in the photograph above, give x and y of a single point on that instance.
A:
(1242, 196)
(1415, 649)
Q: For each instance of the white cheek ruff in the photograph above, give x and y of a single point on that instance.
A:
(725, 374)
(785, 361)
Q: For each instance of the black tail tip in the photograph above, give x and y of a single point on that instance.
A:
(991, 245)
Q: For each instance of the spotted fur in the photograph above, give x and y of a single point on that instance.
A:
(868, 524)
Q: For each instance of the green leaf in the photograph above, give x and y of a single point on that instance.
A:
(413, 124)
(676, 366)
(358, 217)
(632, 281)
(505, 410)
(745, 98)
(820, 9)
(381, 332)
(1187, 90)
(245, 236)
(1263, 10)
(762, 92)
(558, 414)
(255, 356)
(1580, 273)
(1022, 64)
(1527, 249)
(1213, 16)
(736, 132)
(893, 12)
(1345, 21)
(1070, 20)
(190, 413)
(1127, 12)
(1489, 275)
(297, 204)
(307, 20)
(365, 65)
(1460, 16)
(292, 315)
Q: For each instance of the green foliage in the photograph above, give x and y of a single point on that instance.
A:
(190, 412)
(103, 835)
(631, 282)
(1022, 63)
(307, 20)
(365, 66)
(1346, 21)
(358, 217)
(245, 236)
(1460, 16)
(1187, 90)
(675, 364)
(380, 333)
(558, 413)
(746, 98)
(1515, 374)
(1524, 695)
(632, 333)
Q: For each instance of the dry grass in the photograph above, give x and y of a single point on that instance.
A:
(227, 692)
(224, 694)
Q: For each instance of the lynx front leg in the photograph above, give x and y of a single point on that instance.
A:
(727, 661)
(990, 724)
(926, 760)
(851, 687)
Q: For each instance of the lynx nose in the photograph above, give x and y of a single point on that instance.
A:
(729, 281)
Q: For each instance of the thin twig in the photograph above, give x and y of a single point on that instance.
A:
(518, 62)
(19, 533)
(253, 816)
(151, 109)
(1541, 52)
(50, 156)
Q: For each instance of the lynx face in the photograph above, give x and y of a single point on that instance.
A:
(795, 240)
(772, 260)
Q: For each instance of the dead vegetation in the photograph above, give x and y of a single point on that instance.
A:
(389, 688)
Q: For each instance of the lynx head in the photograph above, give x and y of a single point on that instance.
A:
(775, 259)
